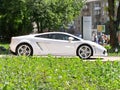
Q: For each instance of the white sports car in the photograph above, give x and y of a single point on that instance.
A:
(55, 43)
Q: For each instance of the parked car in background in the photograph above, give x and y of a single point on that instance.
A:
(55, 43)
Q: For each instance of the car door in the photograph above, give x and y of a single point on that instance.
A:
(60, 45)
(42, 42)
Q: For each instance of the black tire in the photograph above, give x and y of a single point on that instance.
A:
(24, 49)
(84, 51)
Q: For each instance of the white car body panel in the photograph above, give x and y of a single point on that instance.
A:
(45, 46)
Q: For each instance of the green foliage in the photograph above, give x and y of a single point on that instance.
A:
(5, 45)
(108, 47)
(6, 48)
(16, 17)
(52, 14)
(51, 73)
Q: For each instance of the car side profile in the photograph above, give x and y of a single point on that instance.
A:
(55, 43)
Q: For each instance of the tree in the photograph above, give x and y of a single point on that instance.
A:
(16, 17)
(114, 21)
(13, 19)
(52, 14)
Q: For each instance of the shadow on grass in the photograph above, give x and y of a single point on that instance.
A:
(94, 58)
(4, 50)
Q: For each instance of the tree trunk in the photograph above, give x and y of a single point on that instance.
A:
(118, 17)
(41, 27)
(38, 26)
(111, 7)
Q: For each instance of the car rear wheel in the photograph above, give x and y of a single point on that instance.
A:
(84, 51)
(24, 50)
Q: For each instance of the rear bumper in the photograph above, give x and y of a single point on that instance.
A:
(12, 52)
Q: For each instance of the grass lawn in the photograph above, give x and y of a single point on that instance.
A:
(51, 73)
(114, 54)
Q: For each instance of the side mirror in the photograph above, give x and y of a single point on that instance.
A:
(70, 39)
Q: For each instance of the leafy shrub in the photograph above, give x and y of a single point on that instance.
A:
(4, 48)
(108, 47)
(51, 73)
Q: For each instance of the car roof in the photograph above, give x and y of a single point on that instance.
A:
(51, 33)
(54, 33)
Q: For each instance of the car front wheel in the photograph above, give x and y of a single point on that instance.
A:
(84, 51)
(24, 50)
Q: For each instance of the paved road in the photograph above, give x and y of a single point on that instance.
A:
(108, 58)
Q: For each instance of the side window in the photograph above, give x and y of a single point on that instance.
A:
(43, 36)
(52, 36)
(57, 36)
(75, 39)
(61, 36)
(65, 37)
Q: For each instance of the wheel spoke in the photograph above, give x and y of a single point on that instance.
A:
(88, 52)
(28, 53)
(21, 52)
(85, 48)
(83, 55)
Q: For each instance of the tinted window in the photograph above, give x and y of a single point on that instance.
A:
(54, 36)
(75, 39)
(57, 36)
(43, 36)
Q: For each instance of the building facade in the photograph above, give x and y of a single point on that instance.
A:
(95, 9)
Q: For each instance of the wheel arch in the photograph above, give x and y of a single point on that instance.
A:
(26, 44)
(82, 45)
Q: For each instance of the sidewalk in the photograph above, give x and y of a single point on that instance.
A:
(108, 58)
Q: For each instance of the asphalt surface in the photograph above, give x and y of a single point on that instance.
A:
(107, 58)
